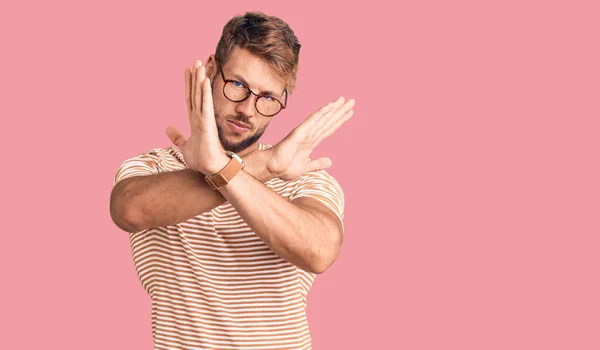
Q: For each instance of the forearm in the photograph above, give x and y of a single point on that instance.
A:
(292, 232)
(170, 198)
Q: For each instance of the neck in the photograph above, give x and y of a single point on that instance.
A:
(250, 149)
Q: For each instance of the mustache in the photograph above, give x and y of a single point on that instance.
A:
(242, 120)
(236, 118)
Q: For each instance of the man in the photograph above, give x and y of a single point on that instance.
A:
(228, 233)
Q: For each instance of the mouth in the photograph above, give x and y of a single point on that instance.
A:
(237, 127)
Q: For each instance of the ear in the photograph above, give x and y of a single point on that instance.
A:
(211, 67)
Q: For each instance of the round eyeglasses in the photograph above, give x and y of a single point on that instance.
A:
(265, 104)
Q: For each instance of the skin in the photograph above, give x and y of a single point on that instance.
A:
(302, 231)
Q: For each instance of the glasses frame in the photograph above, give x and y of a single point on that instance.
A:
(249, 92)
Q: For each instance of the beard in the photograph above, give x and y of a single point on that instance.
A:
(237, 147)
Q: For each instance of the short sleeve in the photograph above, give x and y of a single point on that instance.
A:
(143, 164)
(324, 188)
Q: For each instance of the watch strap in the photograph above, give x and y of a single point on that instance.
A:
(222, 178)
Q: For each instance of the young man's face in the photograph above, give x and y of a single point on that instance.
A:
(253, 72)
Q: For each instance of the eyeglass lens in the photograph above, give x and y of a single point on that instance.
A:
(238, 92)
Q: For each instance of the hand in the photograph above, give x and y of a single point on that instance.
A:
(289, 159)
(202, 151)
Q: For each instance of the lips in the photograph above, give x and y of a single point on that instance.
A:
(240, 124)
(236, 128)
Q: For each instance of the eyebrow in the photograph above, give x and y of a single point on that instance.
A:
(268, 92)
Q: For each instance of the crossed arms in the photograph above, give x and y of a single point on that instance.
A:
(303, 231)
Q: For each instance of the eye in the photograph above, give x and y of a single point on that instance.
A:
(237, 83)
(267, 98)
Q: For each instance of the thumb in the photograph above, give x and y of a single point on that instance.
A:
(176, 137)
(319, 164)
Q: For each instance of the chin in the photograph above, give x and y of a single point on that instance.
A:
(236, 143)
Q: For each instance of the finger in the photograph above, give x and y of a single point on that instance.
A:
(313, 118)
(188, 89)
(333, 128)
(319, 164)
(334, 105)
(207, 99)
(195, 67)
(200, 75)
(176, 137)
(332, 118)
(334, 123)
(309, 123)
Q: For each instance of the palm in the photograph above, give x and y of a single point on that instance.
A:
(290, 158)
(293, 156)
(202, 151)
(190, 151)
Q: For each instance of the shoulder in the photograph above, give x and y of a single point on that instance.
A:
(171, 157)
(323, 187)
(319, 176)
(317, 183)
(153, 161)
(166, 158)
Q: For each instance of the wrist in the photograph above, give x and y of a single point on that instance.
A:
(217, 165)
(257, 165)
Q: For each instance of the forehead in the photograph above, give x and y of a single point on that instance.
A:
(254, 72)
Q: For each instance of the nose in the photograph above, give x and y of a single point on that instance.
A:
(246, 107)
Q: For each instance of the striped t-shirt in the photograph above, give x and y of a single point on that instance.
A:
(213, 282)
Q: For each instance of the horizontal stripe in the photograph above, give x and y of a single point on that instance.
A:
(212, 281)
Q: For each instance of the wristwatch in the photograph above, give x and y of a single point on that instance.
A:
(222, 178)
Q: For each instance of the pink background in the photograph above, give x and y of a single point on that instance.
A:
(470, 168)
